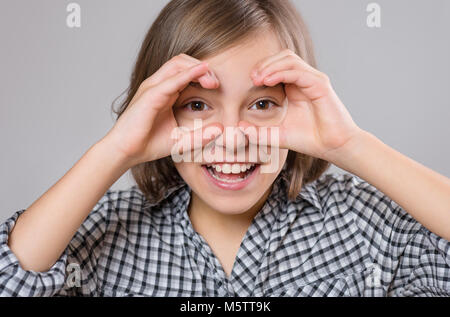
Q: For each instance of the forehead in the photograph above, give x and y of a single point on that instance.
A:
(234, 65)
(246, 54)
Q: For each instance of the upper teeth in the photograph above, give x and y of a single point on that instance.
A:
(235, 168)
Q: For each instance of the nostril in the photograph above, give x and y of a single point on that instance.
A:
(220, 140)
(241, 140)
(231, 138)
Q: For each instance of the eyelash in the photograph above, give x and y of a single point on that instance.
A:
(199, 101)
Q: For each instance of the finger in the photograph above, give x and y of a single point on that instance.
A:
(210, 73)
(171, 87)
(174, 66)
(287, 54)
(314, 86)
(168, 69)
(285, 63)
(187, 144)
(175, 84)
(275, 136)
(262, 64)
(266, 142)
(288, 61)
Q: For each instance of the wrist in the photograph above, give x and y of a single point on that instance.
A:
(118, 159)
(352, 152)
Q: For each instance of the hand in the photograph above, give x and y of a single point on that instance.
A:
(316, 123)
(142, 132)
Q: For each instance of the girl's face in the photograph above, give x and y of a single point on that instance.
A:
(226, 187)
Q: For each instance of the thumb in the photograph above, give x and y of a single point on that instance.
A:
(274, 136)
(187, 143)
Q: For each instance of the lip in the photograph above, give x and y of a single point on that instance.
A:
(231, 186)
(236, 162)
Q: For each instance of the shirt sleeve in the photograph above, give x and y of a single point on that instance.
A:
(423, 267)
(74, 272)
(415, 261)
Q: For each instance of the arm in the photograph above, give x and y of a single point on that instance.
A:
(318, 124)
(44, 230)
(412, 260)
(41, 234)
(422, 265)
(420, 191)
(79, 258)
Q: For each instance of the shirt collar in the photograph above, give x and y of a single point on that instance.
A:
(181, 193)
(308, 192)
(178, 184)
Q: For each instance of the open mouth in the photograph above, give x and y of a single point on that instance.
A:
(231, 176)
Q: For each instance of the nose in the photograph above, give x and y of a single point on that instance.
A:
(232, 140)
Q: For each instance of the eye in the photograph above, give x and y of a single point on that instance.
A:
(196, 105)
(264, 104)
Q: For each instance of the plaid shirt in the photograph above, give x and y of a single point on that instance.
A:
(340, 237)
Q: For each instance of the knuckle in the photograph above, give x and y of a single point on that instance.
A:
(177, 58)
(143, 86)
(148, 82)
(146, 91)
(176, 65)
(177, 68)
(289, 52)
(324, 77)
(292, 58)
(179, 63)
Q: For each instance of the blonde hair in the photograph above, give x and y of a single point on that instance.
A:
(200, 28)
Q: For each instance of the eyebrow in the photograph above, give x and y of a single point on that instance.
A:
(252, 89)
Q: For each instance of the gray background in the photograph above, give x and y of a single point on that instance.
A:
(57, 83)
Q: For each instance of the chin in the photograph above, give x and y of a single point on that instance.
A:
(229, 206)
(229, 187)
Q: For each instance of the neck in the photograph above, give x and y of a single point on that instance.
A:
(204, 217)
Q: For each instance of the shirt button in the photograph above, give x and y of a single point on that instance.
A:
(230, 289)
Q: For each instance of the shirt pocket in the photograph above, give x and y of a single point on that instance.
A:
(138, 290)
(365, 283)
(118, 291)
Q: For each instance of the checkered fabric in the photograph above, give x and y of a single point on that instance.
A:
(340, 237)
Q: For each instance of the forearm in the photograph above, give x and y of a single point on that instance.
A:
(44, 230)
(420, 191)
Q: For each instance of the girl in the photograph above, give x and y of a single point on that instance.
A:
(226, 228)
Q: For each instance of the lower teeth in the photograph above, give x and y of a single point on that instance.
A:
(237, 180)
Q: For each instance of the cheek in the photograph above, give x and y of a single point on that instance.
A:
(283, 156)
(186, 170)
(192, 174)
(186, 118)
